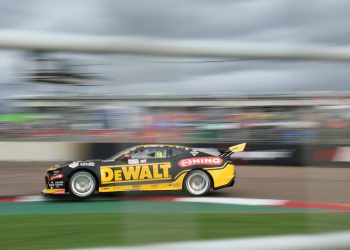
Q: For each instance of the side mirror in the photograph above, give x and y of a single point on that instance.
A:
(127, 157)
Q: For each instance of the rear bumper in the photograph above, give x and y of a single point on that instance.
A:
(223, 177)
(230, 184)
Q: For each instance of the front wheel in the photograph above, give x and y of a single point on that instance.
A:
(197, 183)
(82, 184)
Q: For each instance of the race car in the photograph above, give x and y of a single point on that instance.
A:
(145, 168)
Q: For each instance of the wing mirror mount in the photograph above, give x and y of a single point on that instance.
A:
(126, 157)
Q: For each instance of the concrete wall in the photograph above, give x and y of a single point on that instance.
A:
(43, 151)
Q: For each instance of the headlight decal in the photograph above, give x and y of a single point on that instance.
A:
(56, 177)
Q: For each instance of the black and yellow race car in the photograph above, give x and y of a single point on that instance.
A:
(146, 167)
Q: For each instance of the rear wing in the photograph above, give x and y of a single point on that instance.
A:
(233, 149)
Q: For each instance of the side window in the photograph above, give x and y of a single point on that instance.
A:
(173, 152)
(149, 153)
(139, 153)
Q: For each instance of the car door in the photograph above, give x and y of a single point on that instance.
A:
(143, 166)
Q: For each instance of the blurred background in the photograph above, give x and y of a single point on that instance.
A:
(61, 96)
(68, 105)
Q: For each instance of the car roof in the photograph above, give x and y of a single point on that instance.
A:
(148, 146)
(162, 145)
(159, 146)
(172, 146)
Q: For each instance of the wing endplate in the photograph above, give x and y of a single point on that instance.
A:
(237, 148)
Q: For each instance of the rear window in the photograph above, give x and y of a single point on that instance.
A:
(175, 152)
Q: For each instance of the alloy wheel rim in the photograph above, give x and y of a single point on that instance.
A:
(197, 183)
(82, 184)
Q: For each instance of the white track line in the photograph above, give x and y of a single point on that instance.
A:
(235, 201)
(30, 198)
(292, 242)
(216, 200)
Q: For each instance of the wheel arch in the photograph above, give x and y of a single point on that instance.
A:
(210, 177)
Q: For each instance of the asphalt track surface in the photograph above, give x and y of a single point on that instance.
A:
(316, 184)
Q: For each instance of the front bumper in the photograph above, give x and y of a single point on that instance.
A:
(54, 183)
(53, 191)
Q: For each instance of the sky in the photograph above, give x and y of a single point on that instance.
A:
(320, 22)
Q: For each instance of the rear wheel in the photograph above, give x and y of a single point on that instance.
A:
(82, 184)
(197, 183)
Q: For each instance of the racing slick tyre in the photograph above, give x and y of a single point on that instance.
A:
(82, 184)
(197, 183)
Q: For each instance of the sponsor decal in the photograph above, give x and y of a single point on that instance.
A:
(194, 152)
(87, 164)
(83, 164)
(55, 177)
(59, 192)
(74, 164)
(143, 161)
(133, 161)
(199, 161)
(58, 184)
(156, 171)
